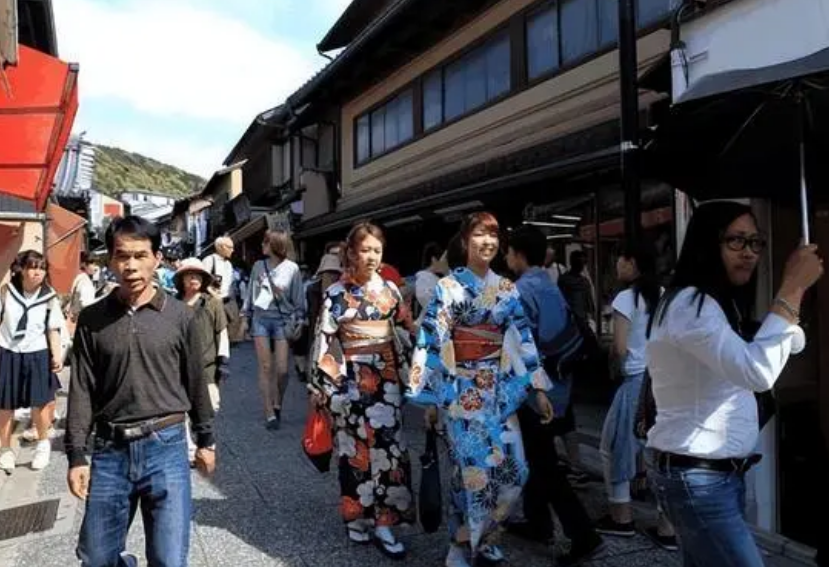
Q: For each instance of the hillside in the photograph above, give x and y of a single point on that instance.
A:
(118, 170)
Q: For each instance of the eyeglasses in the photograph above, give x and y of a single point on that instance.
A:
(738, 243)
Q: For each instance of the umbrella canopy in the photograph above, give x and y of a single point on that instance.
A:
(739, 133)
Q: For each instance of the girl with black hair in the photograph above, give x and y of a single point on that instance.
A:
(632, 307)
(705, 367)
(30, 355)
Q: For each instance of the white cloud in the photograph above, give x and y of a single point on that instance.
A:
(178, 58)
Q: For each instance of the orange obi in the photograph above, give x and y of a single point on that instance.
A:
(477, 343)
(366, 337)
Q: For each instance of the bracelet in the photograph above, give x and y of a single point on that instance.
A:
(788, 308)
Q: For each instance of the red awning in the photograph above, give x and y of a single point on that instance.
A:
(64, 242)
(36, 116)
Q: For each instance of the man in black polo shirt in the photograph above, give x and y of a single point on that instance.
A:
(136, 371)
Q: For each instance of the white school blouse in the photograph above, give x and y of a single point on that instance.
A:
(705, 375)
(34, 339)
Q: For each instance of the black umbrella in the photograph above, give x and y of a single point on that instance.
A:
(750, 133)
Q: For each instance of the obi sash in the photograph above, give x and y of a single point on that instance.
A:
(478, 342)
(363, 337)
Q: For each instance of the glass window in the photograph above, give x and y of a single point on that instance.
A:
(433, 100)
(650, 12)
(608, 22)
(498, 69)
(391, 137)
(363, 139)
(454, 90)
(378, 131)
(475, 80)
(405, 117)
(542, 43)
(579, 29)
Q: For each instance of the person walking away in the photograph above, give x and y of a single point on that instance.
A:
(434, 260)
(705, 370)
(554, 269)
(193, 283)
(219, 266)
(30, 355)
(359, 366)
(619, 448)
(577, 290)
(476, 359)
(276, 308)
(136, 370)
(547, 314)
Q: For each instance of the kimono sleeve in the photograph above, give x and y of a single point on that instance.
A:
(432, 374)
(328, 368)
(519, 345)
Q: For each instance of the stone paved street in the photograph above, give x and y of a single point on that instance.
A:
(267, 506)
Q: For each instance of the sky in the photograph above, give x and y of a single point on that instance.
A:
(180, 80)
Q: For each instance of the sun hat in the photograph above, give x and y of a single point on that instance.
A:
(330, 263)
(190, 265)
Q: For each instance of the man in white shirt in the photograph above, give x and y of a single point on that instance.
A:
(220, 267)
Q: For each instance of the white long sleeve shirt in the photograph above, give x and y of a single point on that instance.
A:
(705, 375)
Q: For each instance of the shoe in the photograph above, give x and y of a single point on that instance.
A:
(456, 557)
(43, 453)
(489, 556)
(8, 460)
(358, 535)
(607, 526)
(128, 560)
(272, 424)
(580, 552)
(30, 435)
(387, 544)
(666, 542)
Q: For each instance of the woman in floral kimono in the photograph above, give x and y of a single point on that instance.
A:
(476, 359)
(357, 377)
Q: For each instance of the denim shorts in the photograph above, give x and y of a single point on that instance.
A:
(264, 326)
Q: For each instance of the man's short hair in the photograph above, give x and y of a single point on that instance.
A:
(132, 227)
(529, 241)
(224, 241)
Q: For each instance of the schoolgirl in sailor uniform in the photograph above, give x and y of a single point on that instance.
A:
(30, 354)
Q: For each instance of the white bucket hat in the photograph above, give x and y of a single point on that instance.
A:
(193, 265)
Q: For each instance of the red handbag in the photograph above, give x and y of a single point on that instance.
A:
(317, 441)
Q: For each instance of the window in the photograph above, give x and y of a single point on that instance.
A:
(386, 127)
(608, 22)
(475, 79)
(542, 43)
(433, 100)
(579, 29)
(650, 12)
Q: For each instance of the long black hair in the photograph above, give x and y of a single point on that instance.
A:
(700, 265)
(646, 285)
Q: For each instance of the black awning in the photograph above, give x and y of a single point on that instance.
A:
(412, 200)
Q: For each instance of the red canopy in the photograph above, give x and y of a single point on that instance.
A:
(36, 116)
(64, 242)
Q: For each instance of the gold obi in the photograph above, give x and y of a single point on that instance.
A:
(366, 337)
(478, 342)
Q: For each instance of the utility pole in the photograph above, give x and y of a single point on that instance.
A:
(629, 90)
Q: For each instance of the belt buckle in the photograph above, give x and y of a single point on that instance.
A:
(132, 433)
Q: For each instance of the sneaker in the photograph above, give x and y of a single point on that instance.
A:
(272, 424)
(8, 460)
(666, 542)
(581, 552)
(43, 452)
(490, 555)
(608, 526)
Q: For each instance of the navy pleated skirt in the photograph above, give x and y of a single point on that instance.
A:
(26, 379)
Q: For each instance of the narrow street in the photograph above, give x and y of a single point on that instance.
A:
(267, 505)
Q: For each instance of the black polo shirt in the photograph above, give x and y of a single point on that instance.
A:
(133, 365)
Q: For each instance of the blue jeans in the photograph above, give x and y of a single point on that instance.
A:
(268, 326)
(153, 472)
(707, 511)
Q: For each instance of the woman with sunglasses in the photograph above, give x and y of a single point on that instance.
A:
(706, 365)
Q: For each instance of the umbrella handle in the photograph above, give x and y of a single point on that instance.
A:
(804, 196)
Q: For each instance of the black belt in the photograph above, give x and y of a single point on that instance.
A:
(126, 432)
(666, 461)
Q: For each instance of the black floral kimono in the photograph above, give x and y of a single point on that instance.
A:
(359, 362)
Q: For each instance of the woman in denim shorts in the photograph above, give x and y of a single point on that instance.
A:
(275, 306)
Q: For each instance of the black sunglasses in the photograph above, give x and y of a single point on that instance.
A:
(739, 243)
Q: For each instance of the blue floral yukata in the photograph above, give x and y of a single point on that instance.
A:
(476, 359)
